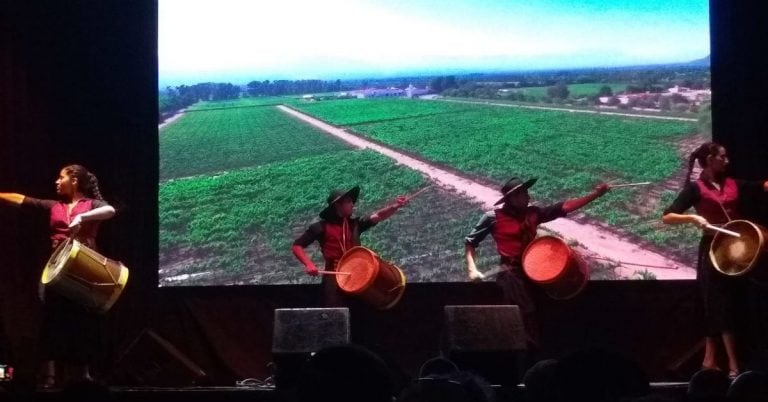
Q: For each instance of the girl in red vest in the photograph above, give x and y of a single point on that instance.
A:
(715, 198)
(513, 226)
(336, 232)
(69, 333)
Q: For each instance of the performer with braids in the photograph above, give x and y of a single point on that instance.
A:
(337, 231)
(715, 197)
(513, 227)
(69, 332)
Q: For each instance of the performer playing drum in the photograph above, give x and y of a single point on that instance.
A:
(336, 232)
(715, 198)
(69, 331)
(513, 227)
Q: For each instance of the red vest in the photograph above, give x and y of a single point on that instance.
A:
(513, 234)
(61, 218)
(712, 202)
(337, 238)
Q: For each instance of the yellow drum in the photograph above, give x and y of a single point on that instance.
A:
(84, 276)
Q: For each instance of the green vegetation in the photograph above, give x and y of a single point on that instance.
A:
(575, 90)
(231, 138)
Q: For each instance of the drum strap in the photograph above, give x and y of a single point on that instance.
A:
(344, 229)
(728, 217)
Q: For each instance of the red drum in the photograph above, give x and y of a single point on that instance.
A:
(370, 278)
(746, 255)
(559, 270)
(85, 276)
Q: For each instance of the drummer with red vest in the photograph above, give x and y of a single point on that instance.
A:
(336, 232)
(715, 197)
(69, 333)
(513, 226)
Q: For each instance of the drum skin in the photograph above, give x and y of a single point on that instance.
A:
(85, 276)
(370, 278)
(552, 265)
(746, 255)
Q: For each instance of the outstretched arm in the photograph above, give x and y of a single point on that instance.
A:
(576, 203)
(12, 198)
(389, 210)
(672, 218)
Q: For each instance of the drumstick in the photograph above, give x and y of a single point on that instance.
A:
(721, 230)
(410, 197)
(333, 273)
(643, 183)
(494, 272)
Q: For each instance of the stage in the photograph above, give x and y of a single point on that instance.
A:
(675, 390)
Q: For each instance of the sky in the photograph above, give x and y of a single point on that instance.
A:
(243, 40)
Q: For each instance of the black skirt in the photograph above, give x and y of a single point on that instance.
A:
(720, 293)
(69, 332)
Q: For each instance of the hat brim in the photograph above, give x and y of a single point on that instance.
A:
(523, 186)
(353, 193)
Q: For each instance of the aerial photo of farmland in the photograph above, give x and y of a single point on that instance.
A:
(264, 107)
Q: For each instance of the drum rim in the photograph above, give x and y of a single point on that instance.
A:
(718, 235)
(73, 251)
(121, 282)
(399, 293)
(525, 253)
(582, 263)
(371, 278)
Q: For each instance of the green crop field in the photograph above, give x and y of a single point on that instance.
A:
(576, 90)
(230, 138)
(243, 102)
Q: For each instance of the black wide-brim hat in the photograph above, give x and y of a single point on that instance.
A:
(512, 185)
(335, 196)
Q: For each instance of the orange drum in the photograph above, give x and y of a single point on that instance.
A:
(370, 278)
(554, 266)
(746, 255)
(85, 276)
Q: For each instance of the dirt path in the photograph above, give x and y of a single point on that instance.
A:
(562, 109)
(171, 119)
(593, 238)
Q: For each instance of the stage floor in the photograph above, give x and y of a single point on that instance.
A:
(676, 390)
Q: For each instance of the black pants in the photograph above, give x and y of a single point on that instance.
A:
(518, 290)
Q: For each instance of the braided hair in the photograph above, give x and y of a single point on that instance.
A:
(87, 182)
(700, 154)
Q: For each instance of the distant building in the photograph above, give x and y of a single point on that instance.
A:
(378, 93)
(391, 92)
(413, 92)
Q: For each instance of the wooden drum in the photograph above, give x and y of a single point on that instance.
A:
(370, 278)
(84, 276)
(559, 270)
(746, 255)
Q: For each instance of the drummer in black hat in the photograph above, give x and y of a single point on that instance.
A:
(336, 232)
(513, 226)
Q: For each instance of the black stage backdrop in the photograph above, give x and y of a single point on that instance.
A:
(78, 83)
